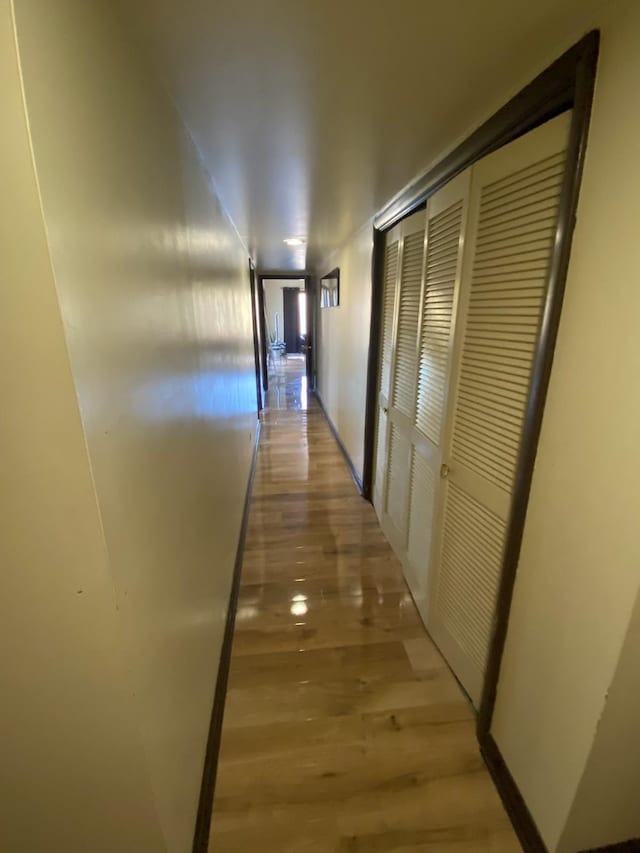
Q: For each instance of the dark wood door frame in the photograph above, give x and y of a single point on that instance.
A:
(309, 290)
(262, 326)
(257, 347)
(567, 84)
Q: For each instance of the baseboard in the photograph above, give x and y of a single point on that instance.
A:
(520, 815)
(514, 803)
(207, 788)
(343, 449)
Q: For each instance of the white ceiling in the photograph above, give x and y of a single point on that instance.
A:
(312, 114)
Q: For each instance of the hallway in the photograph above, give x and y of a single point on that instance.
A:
(453, 188)
(344, 730)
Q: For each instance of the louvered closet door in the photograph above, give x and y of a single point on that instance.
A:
(387, 331)
(402, 390)
(446, 218)
(512, 221)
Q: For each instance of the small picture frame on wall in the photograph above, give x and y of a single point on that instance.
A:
(330, 289)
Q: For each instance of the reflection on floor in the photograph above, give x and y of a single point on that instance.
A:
(287, 383)
(344, 730)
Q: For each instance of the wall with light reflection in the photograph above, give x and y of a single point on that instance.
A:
(152, 281)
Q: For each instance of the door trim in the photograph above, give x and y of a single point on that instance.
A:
(311, 319)
(586, 60)
(566, 84)
(514, 803)
(262, 325)
(257, 338)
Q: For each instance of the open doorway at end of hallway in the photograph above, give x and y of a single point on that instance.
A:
(287, 321)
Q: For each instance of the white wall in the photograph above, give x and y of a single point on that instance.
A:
(73, 773)
(605, 808)
(128, 448)
(343, 343)
(579, 569)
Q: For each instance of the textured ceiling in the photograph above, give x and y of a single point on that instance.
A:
(312, 115)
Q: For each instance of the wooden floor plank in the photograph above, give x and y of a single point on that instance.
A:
(344, 729)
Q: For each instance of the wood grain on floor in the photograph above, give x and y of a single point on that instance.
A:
(344, 729)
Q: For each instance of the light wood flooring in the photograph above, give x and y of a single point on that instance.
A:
(344, 730)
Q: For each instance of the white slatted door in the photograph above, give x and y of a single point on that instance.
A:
(401, 406)
(387, 332)
(446, 217)
(510, 234)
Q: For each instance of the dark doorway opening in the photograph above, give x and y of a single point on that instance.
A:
(292, 326)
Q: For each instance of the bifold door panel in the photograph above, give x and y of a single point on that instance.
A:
(402, 392)
(445, 238)
(387, 326)
(465, 290)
